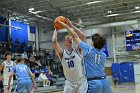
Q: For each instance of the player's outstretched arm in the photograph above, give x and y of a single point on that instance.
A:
(56, 45)
(78, 31)
(71, 32)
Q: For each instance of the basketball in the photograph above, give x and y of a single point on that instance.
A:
(57, 25)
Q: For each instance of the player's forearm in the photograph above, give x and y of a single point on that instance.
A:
(79, 32)
(73, 34)
(33, 80)
(54, 37)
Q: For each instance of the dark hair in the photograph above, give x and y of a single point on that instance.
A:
(98, 41)
(8, 53)
(18, 60)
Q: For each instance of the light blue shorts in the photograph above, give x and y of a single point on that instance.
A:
(24, 86)
(99, 86)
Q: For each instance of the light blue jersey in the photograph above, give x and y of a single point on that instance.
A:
(24, 81)
(94, 62)
(21, 71)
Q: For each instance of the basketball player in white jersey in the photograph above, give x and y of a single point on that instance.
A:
(6, 67)
(71, 60)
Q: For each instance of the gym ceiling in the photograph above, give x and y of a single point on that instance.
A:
(91, 12)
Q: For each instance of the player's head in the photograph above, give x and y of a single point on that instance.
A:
(8, 56)
(68, 41)
(19, 60)
(98, 41)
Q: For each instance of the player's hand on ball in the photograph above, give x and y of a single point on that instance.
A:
(64, 25)
(69, 23)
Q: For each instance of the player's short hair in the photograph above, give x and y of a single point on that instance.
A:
(66, 37)
(19, 59)
(98, 41)
(8, 53)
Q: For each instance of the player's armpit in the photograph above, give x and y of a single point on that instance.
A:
(60, 55)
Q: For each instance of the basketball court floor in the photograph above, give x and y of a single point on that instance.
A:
(122, 88)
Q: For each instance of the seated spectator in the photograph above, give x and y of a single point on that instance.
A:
(36, 71)
(23, 47)
(49, 76)
(43, 78)
(32, 61)
(30, 48)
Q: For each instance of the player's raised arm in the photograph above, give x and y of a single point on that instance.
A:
(71, 32)
(56, 45)
(78, 31)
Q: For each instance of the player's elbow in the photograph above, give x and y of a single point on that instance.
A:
(54, 40)
(10, 76)
(31, 75)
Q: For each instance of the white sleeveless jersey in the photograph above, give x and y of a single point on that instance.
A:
(72, 65)
(7, 68)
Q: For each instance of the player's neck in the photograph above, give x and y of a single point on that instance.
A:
(8, 60)
(69, 49)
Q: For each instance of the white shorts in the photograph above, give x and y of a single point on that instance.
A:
(76, 87)
(5, 83)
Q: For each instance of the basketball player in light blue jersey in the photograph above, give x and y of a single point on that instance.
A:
(25, 77)
(94, 61)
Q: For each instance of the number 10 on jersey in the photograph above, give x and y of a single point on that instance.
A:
(70, 64)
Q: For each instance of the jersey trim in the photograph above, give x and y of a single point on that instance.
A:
(78, 53)
(87, 53)
(70, 52)
(8, 62)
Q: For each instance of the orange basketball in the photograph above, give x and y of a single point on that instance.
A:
(57, 25)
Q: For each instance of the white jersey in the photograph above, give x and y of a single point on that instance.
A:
(6, 71)
(72, 65)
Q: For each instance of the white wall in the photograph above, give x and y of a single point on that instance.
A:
(45, 38)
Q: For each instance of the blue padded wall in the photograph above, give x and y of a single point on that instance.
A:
(21, 34)
(123, 71)
(127, 72)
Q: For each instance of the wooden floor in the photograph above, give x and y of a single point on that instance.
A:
(123, 88)
(127, 88)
